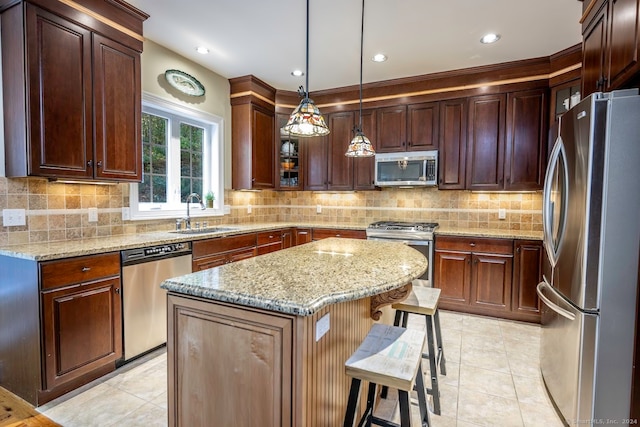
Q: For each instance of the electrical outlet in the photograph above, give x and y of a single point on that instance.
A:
(13, 217)
(226, 209)
(318, 208)
(93, 214)
(502, 213)
(249, 209)
(126, 214)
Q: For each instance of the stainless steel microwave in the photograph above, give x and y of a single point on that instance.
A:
(411, 168)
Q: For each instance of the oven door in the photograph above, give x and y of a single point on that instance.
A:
(425, 247)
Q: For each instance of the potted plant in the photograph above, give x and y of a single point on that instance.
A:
(210, 197)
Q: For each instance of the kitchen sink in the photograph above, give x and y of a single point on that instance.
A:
(204, 230)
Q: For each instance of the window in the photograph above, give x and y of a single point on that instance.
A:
(182, 153)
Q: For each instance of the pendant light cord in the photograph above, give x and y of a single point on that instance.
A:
(361, 54)
(307, 70)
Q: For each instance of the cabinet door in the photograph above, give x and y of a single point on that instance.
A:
(60, 93)
(485, 147)
(364, 167)
(315, 158)
(82, 329)
(527, 273)
(287, 238)
(622, 44)
(242, 254)
(452, 274)
(491, 281)
(116, 83)
(422, 126)
(593, 51)
(302, 236)
(391, 134)
(526, 140)
(262, 123)
(453, 144)
(340, 167)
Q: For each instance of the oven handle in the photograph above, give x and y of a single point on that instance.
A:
(406, 242)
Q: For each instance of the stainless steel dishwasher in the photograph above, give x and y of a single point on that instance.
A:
(144, 303)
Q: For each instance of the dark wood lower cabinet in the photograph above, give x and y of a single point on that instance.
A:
(488, 276)
(302, 236)
(82, 329)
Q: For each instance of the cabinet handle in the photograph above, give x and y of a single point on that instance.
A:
(473, 245)
(475, 261)
(90, 163)
(271, 237)
(99, 164)
(338, 235)
(85, 269)
(409, 144)
(518, 249)
(117, 290)
(404, 143)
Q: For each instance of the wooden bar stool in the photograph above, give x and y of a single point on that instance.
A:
(389, 356)
(424, 301)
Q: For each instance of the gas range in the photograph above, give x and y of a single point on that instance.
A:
(402, 230)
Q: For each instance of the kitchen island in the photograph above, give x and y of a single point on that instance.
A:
(262, 342)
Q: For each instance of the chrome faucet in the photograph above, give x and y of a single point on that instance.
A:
(187, 220)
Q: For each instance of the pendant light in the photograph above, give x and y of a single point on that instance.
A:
(306, 119)
(360, 146)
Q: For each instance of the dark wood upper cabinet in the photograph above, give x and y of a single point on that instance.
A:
(315, 155)
(611, 46)
(72, 97)
(485, 144)
(391, 129)
(412, 127)
(253, 122)
(453, 144)
(340, 167)
(525, 152)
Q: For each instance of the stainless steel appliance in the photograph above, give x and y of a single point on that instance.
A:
(591, 218)
(144, 303)
(407, 169)
(418, 235)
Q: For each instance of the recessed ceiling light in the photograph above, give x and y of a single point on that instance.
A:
(203, 50)
(379, 57)
(490, 38)
(297, 73)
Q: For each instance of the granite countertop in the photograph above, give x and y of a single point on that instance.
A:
(46, 251)
(303, 279)
(489, 232)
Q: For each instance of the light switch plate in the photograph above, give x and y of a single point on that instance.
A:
(126, 213)
(14, 217)
(249, 209)
(502, 213)
(318, 208)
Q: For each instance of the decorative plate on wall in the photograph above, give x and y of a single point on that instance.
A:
(183, 82)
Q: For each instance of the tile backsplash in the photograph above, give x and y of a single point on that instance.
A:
(57, 211)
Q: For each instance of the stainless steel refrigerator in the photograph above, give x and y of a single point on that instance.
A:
(591, 220)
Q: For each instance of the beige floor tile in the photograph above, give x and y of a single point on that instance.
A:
(473, 340)
(530, 390)
(450, 321)
(516, 347)
(148, 415)
(539, 415)
(519, 330)
(485, 359)
(487, 410)
(481, 325)
(485, 381)
(439, 421)
(161, 400)
(525, 364)
(101, 409)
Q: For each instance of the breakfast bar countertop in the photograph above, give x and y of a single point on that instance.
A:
(303, 279)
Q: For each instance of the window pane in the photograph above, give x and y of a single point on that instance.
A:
(191, 143)
(154, 159)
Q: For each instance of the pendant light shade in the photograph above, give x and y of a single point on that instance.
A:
(360, 146)
(306, 120)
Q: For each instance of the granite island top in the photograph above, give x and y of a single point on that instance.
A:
(303, 279)
(45, 251)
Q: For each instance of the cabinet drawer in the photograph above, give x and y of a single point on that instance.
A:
(267, 237)
(208, 247)
(471, 244)
(324, 233)
(81, 269)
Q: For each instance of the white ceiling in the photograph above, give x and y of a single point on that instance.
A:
(266, 38)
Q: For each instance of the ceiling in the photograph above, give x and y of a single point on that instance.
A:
(266, 38)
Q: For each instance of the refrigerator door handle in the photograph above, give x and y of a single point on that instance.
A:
(561, 311)
(549, 211)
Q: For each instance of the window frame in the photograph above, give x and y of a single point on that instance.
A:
(213, 154)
